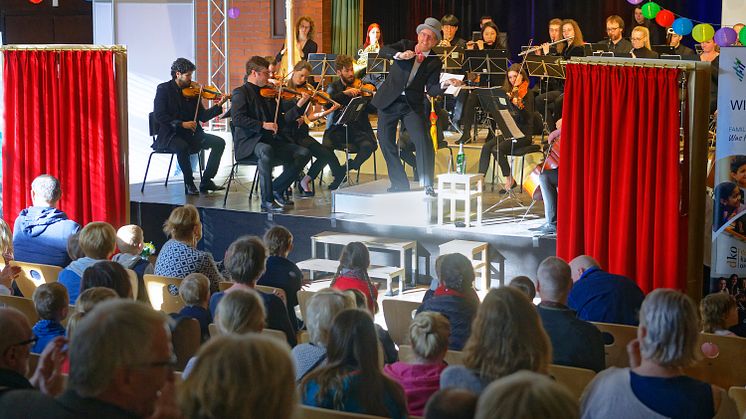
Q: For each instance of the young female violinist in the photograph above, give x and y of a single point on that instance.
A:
(522, 109)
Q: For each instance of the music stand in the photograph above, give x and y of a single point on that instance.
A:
(664, 50)
(377, 64)
(322, 65)
(349, 114)
(487, 62)
(452, 57)
(545, 67)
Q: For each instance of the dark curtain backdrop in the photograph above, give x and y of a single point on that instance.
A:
(521, 19)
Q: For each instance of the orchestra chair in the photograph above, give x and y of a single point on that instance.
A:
(163, 292)
(738, 394)
(308, 412)
(248, 161)
(303, 297)
(353, 149)
(185, 337)
(726, 369)
(153, 128)
(616, 337)
(224, 285)
(272, 290)
(574, 379)
(24, 305)
(398, 315)
(519, 152)
(34, 274)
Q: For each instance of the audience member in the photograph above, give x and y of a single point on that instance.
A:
(390, 354)
(352, 273)
(455, 297)
(575, 343)
(41, 231)
(240, 377)
(108, 274)
(98, 241)
(451, 403)
(179, 256)
(719, 313)
(16, 339)
(86, 301)
(506, 337)
(320, 311)
(120, 367)
(524, 284)
(8, 273)
(352, 380)
(73, 247)
(245, 261)
(281, 272)
(526, 395)
(51, 303)
(599, 296)
(130, 241)
(420, 377)
(655, 386)
(194, 290)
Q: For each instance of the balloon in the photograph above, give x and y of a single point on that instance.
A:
(742, 36)
(725, 37)
(650, 10)
(234, 12)
(703, 32)
(665, 18)
(682, 26)
(635, 2)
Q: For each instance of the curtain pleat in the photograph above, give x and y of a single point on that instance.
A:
(347, 37)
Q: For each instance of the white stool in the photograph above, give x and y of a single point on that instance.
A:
(471, 249)
(456, 187)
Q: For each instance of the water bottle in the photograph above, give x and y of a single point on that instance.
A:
(461, 160)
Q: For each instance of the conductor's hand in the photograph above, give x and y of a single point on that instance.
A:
(406, 55)
(190, 125)
(352, 92)
(270, 126)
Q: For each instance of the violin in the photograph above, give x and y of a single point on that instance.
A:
(318, 97)
(282, 91)
(519, 92)
(196, 90)
(366, 89)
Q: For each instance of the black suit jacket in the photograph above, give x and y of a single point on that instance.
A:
(171, 108)
(396, 82)
(248, 112)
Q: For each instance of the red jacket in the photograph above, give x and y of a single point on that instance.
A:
(350, 282)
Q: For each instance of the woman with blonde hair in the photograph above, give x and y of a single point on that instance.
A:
(527, 395)
(655, 386)
(6, 250)
(180, 257)
(641, 43)
(719, 313)
(420, 377)
(506, 336)
(242, 377)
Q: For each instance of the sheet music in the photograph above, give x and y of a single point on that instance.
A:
(451, 90)
(515, 132)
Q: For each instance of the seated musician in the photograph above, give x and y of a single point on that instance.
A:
(359, 133)
(555, 32)
(548, 180)
(297, 117)
(304, 43)
(522, 110)
(680, 49)
(449, 26)
(372, 44)
(641, 43)
(180, 132)
(256, 132)
(615, 28)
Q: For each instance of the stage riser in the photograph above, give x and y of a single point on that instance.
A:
(372, 199)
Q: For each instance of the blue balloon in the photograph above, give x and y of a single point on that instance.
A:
(682, 26)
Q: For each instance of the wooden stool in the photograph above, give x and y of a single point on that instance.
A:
(456, 187)
(471, 249)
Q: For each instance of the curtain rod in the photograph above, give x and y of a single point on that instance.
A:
(65, 47)
(627, 62)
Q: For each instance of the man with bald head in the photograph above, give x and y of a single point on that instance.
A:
(575, 343)
(600, 296)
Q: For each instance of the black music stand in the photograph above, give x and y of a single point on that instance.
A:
(349, 114)
(545, 67)
(377, 64)
(451, 57)
(322, 65)
(487, 62)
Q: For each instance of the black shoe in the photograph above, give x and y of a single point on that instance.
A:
(208, 185)
(429, 191)
(394, 189)
(302, 192)
(272, 207)
(504, 191)
(338, 180)
(190, 189)
(280, 199)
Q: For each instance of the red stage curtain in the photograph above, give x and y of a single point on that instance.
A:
(619, 177)
(61, 119)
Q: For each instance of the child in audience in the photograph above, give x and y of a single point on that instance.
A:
(527, 395)
(51, 303)
(719, 313)
(524, 284)
(98, 241)
(195, 292)
(73, 247)
(110, 275)
(8, 272)
(280, 271)
(420, 377)
(390, 354)
(353, 273)
(451, 403)
(86, 301)
(130, 241)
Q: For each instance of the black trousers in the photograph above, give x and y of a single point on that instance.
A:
(183, 147)
(276, 152)
(553, 101)
(362, 142)
(548, 180)
(323, 155)
(388, 121)
(504, 148)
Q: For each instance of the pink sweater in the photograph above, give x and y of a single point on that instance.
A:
(419, 382)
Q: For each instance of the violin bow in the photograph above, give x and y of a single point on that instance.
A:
(199, 102)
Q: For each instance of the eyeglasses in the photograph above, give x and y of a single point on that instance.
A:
(170, 363)
(31, 341)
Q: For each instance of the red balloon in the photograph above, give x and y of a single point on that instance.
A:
(35, 1)
(665, 18)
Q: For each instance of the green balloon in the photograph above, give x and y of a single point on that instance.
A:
(742, 36)
(650, 10)
(703, 32)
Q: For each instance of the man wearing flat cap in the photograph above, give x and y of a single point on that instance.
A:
(402, 98)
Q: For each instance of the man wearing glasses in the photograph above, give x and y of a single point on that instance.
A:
(615, 28)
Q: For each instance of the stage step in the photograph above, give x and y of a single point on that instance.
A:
(386, 273)
(372, 199)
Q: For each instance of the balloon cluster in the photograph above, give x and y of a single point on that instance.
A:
(701, 32)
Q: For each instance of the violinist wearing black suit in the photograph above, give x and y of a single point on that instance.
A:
(179, 132)
(402, 98)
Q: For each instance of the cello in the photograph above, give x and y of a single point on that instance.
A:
(551, 161)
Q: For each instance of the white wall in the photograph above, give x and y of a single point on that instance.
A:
(734, 11)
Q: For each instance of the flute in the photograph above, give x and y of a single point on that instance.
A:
(538, 47)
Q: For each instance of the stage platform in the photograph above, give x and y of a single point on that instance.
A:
(365, 208)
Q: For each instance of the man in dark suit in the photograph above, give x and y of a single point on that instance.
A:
(255, 132)
(401, 98)
(179, 130)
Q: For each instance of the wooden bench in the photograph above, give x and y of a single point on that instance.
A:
(386, 273)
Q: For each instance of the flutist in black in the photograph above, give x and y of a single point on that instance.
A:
(178, 130)
(256, 133)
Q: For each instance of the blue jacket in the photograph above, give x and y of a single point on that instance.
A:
(600, 296)
(575, 343)
(351, 398)
(460, 313)
(202, 315)
(72, 275)
(46, 330)
(40, 236)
